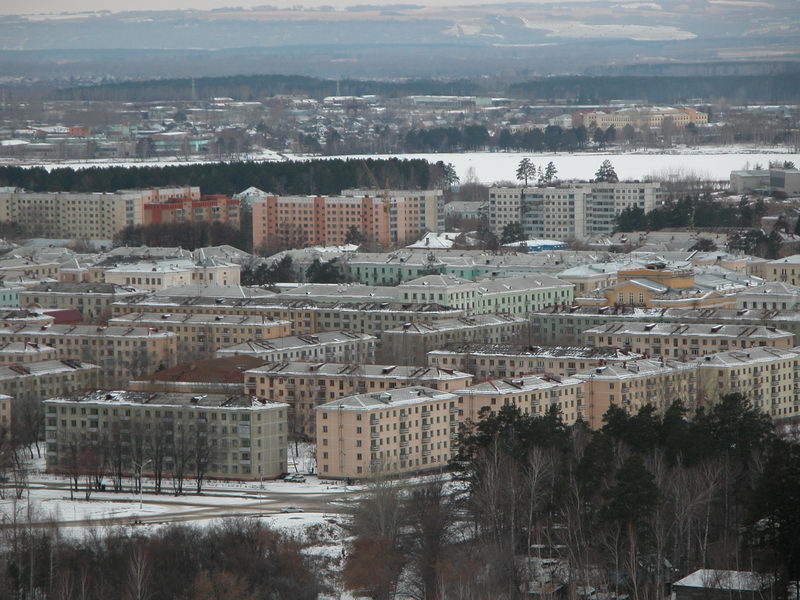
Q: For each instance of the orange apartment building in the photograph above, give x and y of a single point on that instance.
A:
(306, 385)
(301, 221)
(393, 432)
(210, 209)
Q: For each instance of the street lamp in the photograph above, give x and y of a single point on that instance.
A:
(140, 466)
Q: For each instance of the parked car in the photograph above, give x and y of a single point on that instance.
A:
(295, 478)
(291, 509)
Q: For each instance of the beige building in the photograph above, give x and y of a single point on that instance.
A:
(163, 274)
(394, 432)
(235, 437)
(632, 385)
(411, 343)
(639, 117)
(199, 336)
(785, 269)
(305, 385)
(681, 341)
(308, 316)
(495, 361)
(38, 380)
(14, 353)
(328, 346)
(206, 376)
(82, 216)
(122, 352)
(532, 394)
(769, 377)
(94, 300)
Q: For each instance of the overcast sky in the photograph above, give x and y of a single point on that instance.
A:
(11, 7)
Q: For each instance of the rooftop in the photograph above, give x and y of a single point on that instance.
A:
(455, 324)
(694, 329)
(518, 350)
(130, 398)
(229, 369)
(517, 385)
(395, 398)
(327, 369)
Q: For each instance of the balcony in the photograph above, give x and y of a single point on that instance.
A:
(454, 410)
(404, 431)
(426, 426)
(374, 422)
(426, 413)
(404, 444)
(374, 434)
(580, 395)
(426, 453)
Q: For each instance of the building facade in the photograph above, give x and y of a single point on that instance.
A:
(329, 346)
(225, 437)
(395, 432)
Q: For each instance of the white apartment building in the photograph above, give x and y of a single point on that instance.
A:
(572, 211)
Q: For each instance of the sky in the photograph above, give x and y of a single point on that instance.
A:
(11, 7)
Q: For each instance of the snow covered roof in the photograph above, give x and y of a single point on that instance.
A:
(745, 581)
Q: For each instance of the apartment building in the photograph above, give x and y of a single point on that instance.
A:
(785, 270)
(495, 361)
(683, 341)
(94, 300)
(769, 377)
(633, 384)
(199, 336)
(301, 221)
(209, 209)
(639, 117)
(412, 211)
(394, 432)
(305, 385)
(573, 211)
(328, 346)
(772, 295)
(20, 353)
(44, 379)
(6, 414)
(235, 437)
(410, 343)
(162, 274)
(309, 316)
(75, 215)
(122, 352)
(394, 219)
(532, 394)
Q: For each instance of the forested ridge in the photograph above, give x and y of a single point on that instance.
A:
(577, 88)
(300, 177)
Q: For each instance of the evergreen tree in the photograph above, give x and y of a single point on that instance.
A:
(550, 172)
(512, 232)
(525, 170)
(606, 173)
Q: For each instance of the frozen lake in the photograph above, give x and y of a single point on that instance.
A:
(707, 163)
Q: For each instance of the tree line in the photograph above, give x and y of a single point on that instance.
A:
(289, 177)
(625, 510)
(474, 137)
(577, 89)
(236, 558)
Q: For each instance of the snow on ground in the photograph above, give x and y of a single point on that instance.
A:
(302, 458)
(714, 163)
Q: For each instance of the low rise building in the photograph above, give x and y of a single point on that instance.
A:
(163, 274)
(15, 353)
(305, 385)
(199, 336)
(309, 316)
(768, 377)
(328, 346)
(122, 352)
(221, 436)
(682, 341)
(495, 361)
(394, 432)
(631, 385)
(411, 343)
(532, 394)
(47, 378)
(94, 300)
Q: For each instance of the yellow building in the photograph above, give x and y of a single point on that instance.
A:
(306, 385)
(533, 395)
(681, 341)
(769, 377)
(631, 385)
(393, 432)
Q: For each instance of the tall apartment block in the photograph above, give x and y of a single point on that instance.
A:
(236, 437)
(386, 220)
(571, 211)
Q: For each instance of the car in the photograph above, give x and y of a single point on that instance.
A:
(295, 478)
(291, 509)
